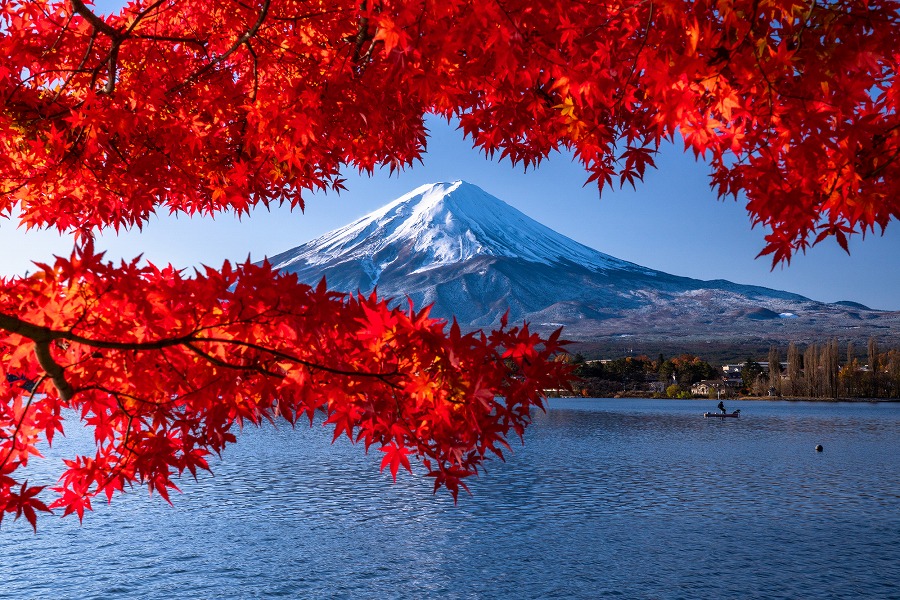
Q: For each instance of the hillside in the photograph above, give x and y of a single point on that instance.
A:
(473, 256)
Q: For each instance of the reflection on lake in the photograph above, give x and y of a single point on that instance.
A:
(608, 498)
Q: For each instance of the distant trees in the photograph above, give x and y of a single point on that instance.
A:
(634, 372)
(687, 369)
(813, 371)
(676, 391)
(818, 372)
(611, 376)
(810, 369)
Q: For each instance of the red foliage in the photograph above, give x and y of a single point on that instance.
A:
(162, 367)
(202, 108)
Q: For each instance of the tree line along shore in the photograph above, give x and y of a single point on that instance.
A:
(816, 371)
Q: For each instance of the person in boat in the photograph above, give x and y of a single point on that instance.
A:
(722, 407)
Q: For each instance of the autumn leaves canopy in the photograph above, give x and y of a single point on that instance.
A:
(200, 108)
(207, 107)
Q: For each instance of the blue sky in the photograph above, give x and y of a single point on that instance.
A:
(673, 222)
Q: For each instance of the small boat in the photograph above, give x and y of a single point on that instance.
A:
(734, 415)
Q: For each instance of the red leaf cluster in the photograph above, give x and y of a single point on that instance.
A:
(203, 108)
(161, 367)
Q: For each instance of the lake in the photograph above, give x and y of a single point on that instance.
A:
(607, 499)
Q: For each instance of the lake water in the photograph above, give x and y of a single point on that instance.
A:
(607, 499)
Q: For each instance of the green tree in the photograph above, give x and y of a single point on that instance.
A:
(750, 372)
(666, 370)
(594, 368)
(690, 369)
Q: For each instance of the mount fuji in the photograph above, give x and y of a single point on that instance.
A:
(474, 257)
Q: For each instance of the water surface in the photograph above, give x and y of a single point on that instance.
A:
(608, 498)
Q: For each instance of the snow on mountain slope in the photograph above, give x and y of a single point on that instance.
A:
(443, 224)
(473, 257)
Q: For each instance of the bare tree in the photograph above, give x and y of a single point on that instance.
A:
(892, 373)
(774, 370)
(793, 360)
(873, 368)
(811, 371)
(829, 366)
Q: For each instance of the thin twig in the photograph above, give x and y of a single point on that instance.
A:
(15, 434)
(237, 44)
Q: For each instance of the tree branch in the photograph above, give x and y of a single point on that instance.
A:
(173, 39)
(52, 368)
(21, 420)
(285, 356)
(114, 34)
(227, 365)
(99, 24)
(44, 335)
(237, 44)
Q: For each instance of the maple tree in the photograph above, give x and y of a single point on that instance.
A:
(172, 105)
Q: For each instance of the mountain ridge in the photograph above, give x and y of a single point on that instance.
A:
(474, 257)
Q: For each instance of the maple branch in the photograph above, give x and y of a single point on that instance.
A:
(255, 82)
(173, 39)
(115, 147)
(118, 395)
(52, 368)
(79, 68)
(42, 336)
(362, 35)
(290, 357)
(123, 460)
(63, 30)
(141, 15)
(637, 55)
(18, 427)
(112, 66)
(227, 365)
(310, 15)
(879, 142)
(237, 44)
(114, 34)
(525, 36)
(368, 55)
(99, 24)
(798, 36)
(35, 333)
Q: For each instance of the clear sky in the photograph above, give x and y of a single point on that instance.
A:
(672, 222)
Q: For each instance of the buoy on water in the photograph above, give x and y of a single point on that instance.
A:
(819, 448)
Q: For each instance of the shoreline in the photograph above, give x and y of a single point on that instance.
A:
(644, 395)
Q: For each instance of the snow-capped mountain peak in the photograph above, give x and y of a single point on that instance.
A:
(443, 224)
(472, 257)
